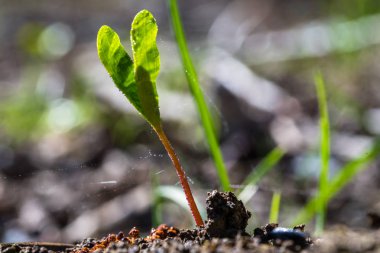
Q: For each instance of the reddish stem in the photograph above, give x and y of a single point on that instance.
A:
(182, 176)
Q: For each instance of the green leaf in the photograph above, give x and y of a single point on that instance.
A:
(118, 64)
(147, 64)
(136, 80)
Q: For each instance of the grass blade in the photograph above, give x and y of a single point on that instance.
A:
(268, 163)
(324, 149)
(196, 91)
(345, 175)
(176, 195)
(157, 201)
(275, 207)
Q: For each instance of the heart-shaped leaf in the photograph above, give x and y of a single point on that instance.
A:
(136, 80)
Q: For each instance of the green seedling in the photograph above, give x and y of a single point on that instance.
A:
(136, 79)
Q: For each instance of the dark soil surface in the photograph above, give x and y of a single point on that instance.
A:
(224, 232)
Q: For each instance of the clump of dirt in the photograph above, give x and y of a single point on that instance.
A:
(227, 216)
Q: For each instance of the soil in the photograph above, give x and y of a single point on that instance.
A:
(224, 231)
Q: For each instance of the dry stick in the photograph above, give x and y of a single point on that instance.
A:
(182, 177)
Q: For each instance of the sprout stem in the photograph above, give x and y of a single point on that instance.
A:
(182, 176)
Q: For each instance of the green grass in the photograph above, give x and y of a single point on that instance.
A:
(324, 125)
(267, 164)
(176, 195)
(275, 207)
(345, 175)
(157, 201)
(192, 78)
(329, 188)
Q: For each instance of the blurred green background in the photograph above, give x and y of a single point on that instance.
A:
(76, 160)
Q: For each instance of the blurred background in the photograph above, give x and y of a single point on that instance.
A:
(76, 160)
